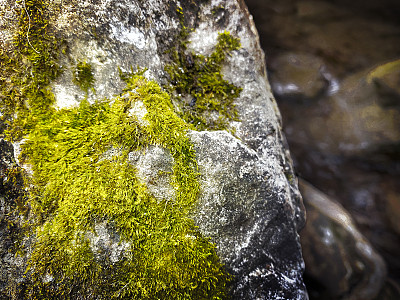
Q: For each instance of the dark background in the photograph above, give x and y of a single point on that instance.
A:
(342, 127)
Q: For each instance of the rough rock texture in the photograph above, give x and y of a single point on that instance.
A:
(12, 268)
(239, 212)
(249, 204)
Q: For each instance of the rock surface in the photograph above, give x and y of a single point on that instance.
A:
(249, 203)
(11, 191)
(237, 210)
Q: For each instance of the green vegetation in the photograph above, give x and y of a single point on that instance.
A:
(25, 74)
(83, 76)
(205, 99)
(75, 186)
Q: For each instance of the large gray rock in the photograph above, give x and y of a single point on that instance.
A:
(249, 203)
(245, 214)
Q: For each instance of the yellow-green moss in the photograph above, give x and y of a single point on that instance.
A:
(83, 76)
(25, 97)
(77, 187)
(25, 73)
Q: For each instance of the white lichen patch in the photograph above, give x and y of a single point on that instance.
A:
(47, 278)
(154, 168)
(2, 203)
(17, 149)
(64, 97)
(131, 35)
(68, 94)
(8, 20)
(105, 242)
(111, 153)
(245, 241)
(202, 40)
(139, 111)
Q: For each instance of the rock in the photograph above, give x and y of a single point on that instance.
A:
(248, 204)
(347, 144)
(354, 269)
(346, 36)
(393, 206)
(295, 75)
(345, 141)
(391, 290)
(12, 268)
(387, 79)
(354, 117)
(358, 105)
(236, 210)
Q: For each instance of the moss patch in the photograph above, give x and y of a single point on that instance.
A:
(205, 99)
(25, 74)
(76, 187)
(83, 76)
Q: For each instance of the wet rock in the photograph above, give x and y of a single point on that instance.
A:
(295, 75)
(360, 107)
(390, 291)
(386, 78)
(249, 203)
(355, 117)
(354, 269)
(342, 34)
(393, 207)
(345, 142)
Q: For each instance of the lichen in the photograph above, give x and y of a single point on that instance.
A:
(83, 76)
(205, 99)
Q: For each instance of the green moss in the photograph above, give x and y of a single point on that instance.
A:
(205, 99)
(83, 76)
(25, 74)
(77, 187)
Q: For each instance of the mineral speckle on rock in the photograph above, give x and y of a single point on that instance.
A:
(244, 212)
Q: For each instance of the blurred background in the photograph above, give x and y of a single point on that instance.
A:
(334, 68)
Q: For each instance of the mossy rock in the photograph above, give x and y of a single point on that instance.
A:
(129, 190)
